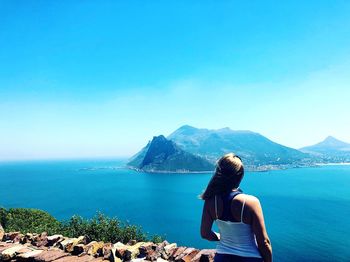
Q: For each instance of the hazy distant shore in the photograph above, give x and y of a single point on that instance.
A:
(247, 168)
(333, 164)
(168, 171)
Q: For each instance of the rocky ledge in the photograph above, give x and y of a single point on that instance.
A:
(15, 246)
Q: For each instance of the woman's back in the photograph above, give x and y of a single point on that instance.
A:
(236, 237)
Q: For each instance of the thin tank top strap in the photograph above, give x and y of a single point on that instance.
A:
(243, 208)
(216, 208)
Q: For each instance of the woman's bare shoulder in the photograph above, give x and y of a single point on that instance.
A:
(251, 200)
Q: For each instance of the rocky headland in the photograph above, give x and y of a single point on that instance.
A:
(15, 246)
(163, 155)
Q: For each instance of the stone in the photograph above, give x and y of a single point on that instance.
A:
(131, 242)
(76, 241)
(204, 258)
(127, 255)
(152, 255)
(78, 249)
(164, 256)
(95, 248)
(13, 236)
(84, 258)
(87, 240)
(189, 256)
(164, 243)
(204, 255)
(17, 238)
(160, 247)
(51, 240)
(28, 256)
(24, 249)
(177, 252)
(161, 260)
(116, 253)
(116, 259)
(50, 255)
(40, 240)
(2, 232)
(69, 243)
(27, 238)
(145, 249)
(133, 250)
(107, 251)
(170, 248)
(137, 260)
(119, 249)
(4, 245)
(185, 253)
(10, 252)
(82, 240)
(62, 245)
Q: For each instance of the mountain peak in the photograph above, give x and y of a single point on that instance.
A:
(185, 130)
(186, 127)
(158, 138)
(225, 129)
(330, 139)
(333, 142)
(329, 144)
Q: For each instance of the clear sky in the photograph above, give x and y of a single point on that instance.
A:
(100, 78)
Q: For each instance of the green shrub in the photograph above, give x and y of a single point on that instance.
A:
(102, 228)
(29, 220)
(3, 213)
(157, 239)
(98, 228)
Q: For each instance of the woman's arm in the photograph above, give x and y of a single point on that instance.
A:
(207, 223)
(258, 224)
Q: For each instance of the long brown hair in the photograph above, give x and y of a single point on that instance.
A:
(228, 175)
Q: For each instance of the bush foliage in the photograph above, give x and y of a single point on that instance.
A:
(28, 220)
(102, 228)
(98, 228)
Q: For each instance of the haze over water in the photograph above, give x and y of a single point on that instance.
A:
(306, 209)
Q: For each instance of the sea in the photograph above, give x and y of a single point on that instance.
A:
(307, 210)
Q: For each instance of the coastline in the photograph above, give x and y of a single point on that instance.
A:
(167, 171)
(333, 164)
(259, 169)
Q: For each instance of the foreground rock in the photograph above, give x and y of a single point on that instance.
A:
(15, 246)
(2, 232)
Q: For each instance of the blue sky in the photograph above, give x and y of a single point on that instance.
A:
(100, 78)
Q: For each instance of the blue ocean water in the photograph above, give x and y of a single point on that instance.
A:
(307, 210)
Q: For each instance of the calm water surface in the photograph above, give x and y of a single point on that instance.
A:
(307, 210)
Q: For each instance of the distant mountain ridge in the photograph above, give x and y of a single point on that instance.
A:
(191, 149)
(252, 147)
(197, 149)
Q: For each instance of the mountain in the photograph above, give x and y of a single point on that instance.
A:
(330, 149)
(163, 155)
(197, 149)
(254, 149)
(330, 144)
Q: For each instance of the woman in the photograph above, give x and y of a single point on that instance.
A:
(243, 237)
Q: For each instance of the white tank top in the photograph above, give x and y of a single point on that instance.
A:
(236, 238)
